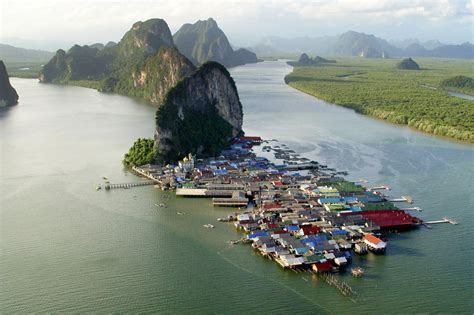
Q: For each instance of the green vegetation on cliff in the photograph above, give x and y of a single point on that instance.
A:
(144, 63)
(142, 152)
(200, 115)
(375, 87)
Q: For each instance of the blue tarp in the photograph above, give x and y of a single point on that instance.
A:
(179, 179)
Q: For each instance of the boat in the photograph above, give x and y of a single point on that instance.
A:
(209, 226)
(180, 213)
(233, 242)
(357, 272)
(105, 177)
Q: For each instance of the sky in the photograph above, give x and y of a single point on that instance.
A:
(52, 24)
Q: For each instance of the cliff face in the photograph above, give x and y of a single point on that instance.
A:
(200, 115)
(161, 72)
(144, 63)
(8, 95)
(205, 41)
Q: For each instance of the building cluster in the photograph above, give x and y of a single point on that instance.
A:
(299, 213)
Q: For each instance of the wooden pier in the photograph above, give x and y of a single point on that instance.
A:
(406, 199)
(444, 220)
(342, 286)
(129, 185)
(383, 187)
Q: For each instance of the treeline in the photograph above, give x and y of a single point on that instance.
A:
(142, 152)
(377, 89)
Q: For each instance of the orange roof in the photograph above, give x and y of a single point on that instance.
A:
(371, 238)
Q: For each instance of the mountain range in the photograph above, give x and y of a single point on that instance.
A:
(354, 43)
(10, 53)
(198, 107)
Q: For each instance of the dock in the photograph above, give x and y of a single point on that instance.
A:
(406, 199)
(443, 220)
(128, 185)
(412, 209)
(383, 187)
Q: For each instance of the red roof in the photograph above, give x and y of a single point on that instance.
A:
(310, 230)
(277, 183)
(372, 239)
(322, 266)
(271, 205)
(249, 138)
(273, 226)
(387, 218)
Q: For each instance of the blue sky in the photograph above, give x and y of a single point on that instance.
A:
(54, 22)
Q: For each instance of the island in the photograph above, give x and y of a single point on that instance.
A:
(8, 95)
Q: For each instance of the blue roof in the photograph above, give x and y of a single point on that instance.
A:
(292, 228)
(257, 234)
(220, 171)
(331, 200)
(338, 232)
(314, 238)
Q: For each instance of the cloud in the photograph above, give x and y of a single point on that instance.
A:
(89, 21)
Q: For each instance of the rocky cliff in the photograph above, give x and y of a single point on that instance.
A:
(205, 41)
(144, 63)
(8, 95)
(199, 115)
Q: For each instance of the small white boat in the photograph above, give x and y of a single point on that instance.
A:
(181, 213)
(209, 226)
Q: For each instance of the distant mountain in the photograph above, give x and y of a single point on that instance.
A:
(8, 95)
(354, 43)
(305, 60)
(205, 41)
(15, 54)
(359, 44)
(313, 45)
(465, 50)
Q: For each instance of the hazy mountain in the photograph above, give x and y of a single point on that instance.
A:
(465, 50)
(359, 44)
(275, 44)
(15, 54)
(205, 41)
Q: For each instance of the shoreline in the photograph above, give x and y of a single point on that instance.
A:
(451, 139)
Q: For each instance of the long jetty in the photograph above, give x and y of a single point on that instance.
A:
(129, 185)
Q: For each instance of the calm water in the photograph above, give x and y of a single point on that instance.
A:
(462, 95)
(67, 248)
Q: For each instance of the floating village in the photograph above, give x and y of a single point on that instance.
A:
(303, 215)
